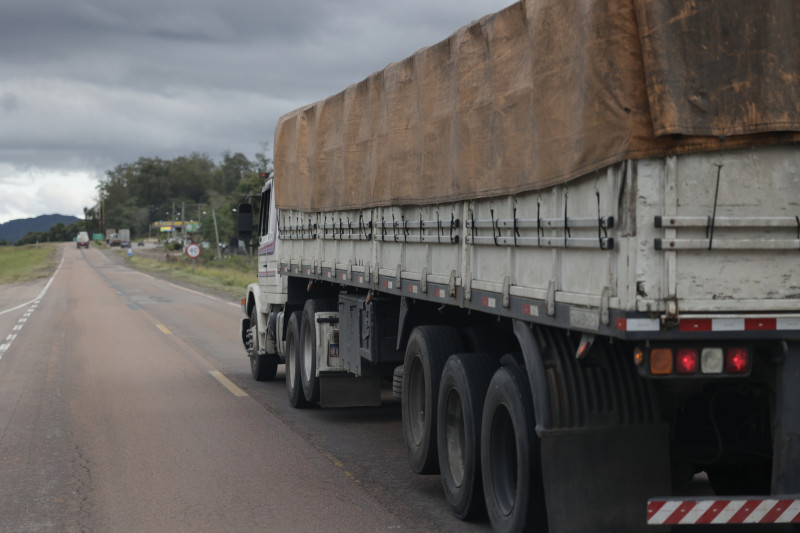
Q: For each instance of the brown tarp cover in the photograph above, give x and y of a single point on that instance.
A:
(545, 91)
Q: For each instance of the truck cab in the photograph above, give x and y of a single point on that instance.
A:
(258, 328)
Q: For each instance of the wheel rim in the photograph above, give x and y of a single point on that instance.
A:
(253, 341)
(503, 450)
(455, 442)
(308, 353)
(416, 401)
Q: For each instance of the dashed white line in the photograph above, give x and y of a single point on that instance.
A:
(33, 304)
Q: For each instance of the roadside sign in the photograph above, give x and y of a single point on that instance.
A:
(193, 250)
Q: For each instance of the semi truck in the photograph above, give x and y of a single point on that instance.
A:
(125, 238)
(568, 237)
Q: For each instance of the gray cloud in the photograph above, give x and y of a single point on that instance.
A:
(9, 102)
(90, 84)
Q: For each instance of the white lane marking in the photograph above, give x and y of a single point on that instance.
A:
(20, 306)
(4, 347)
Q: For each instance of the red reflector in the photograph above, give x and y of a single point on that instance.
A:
(736, 360)
(768, 324)
(686, 361)
(701, 324)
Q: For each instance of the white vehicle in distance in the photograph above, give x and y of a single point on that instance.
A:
(83, 239)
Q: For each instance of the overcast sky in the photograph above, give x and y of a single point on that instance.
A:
(86, 85)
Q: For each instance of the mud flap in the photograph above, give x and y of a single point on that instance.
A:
(346, 390)
(601, 479)
(786, 456)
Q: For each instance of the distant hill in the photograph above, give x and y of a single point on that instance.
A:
(14, 230)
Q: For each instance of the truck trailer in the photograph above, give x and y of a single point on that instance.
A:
(568, 236)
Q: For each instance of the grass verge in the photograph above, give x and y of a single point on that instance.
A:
(27, 263)
(229, 277)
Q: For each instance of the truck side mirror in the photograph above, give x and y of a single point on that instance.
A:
(244, 222)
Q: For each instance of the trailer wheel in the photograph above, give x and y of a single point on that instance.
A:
(428, 349)
(511, 454)
(263, 366)
(308, 347)
(293, 386)
(465, 380)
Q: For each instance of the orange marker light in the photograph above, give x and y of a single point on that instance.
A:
(638, 356)
(660, 361)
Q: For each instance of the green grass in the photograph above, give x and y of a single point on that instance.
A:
(230, 276)
(27, 263)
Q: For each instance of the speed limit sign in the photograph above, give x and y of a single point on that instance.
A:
(193, 250)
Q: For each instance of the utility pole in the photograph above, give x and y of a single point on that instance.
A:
(183, 226)
(216, 232)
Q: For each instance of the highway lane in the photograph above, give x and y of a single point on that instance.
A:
(113, 417)
(126, 404)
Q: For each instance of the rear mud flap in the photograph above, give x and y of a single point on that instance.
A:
(601, 479)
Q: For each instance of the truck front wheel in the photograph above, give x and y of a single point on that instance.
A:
(428, 349)
(293, 386)
(263, 366)
(511, 454)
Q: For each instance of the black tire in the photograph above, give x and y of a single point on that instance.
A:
(308, 347)
(263, 366)
(397, 382)
(293, 387)
(462, 390)
(511, 454)
(427, 350)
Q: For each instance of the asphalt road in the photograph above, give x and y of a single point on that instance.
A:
(126, 404)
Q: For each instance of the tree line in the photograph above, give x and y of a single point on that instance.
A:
(59, 233)
(135, 195)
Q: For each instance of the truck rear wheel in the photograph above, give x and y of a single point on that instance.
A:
(308, 347)
(263, 366)
(511, 454)
(293, 386)
(465, 380)
(428, 349)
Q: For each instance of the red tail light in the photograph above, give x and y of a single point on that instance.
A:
(737, 360)
(686, 361)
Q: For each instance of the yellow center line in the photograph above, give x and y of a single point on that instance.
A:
(228, 384)
(163, 329)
